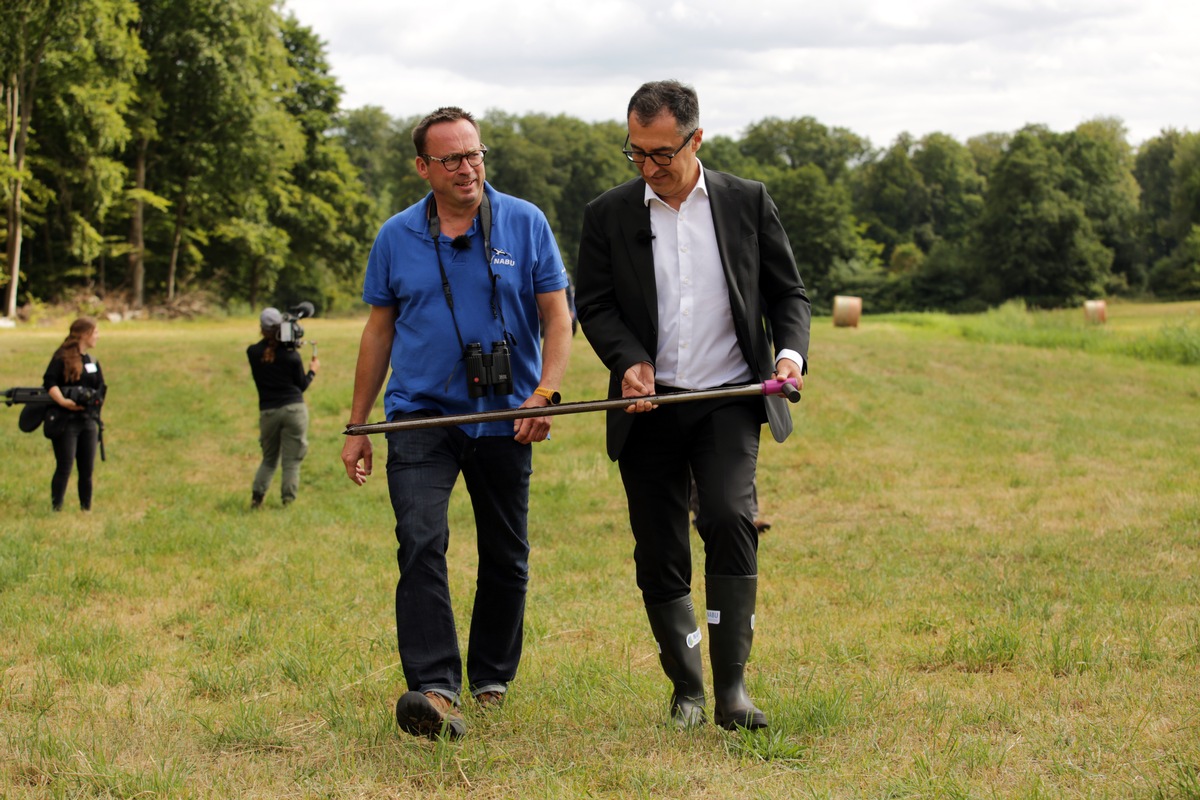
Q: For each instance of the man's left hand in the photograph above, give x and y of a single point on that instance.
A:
(786, 368)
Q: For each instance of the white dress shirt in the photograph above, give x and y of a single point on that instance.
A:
(697, 344)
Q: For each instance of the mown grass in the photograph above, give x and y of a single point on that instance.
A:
(982, 580)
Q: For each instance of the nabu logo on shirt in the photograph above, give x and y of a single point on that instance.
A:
(503, 258)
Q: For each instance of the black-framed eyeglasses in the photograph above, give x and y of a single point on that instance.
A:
(662, 159)
(454, 160)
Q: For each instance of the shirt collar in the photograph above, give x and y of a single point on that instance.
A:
(701, 186)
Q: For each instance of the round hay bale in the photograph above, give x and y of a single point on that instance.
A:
(1095, 312)
(846, 311)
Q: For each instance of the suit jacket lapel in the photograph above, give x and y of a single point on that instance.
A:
(723, 199)
(635, 230)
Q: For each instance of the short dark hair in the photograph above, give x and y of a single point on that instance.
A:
(443, 114)
(677, 99)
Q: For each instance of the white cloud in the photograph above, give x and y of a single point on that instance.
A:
(877, 67)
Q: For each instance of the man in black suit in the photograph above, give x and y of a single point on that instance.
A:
(686, 280)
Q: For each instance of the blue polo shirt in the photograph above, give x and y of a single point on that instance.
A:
(428, 371)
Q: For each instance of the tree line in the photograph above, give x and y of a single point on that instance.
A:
(159, 146)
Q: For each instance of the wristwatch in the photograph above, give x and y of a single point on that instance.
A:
(554, 397)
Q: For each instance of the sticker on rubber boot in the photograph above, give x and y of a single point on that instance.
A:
(714, 616)
(693, 639)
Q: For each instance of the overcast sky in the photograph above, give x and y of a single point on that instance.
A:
(876, 67)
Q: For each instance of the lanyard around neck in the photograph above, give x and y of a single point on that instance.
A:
(485, 223)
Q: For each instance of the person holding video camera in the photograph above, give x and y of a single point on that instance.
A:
(75, 383)
(281, 380)
(455, 284)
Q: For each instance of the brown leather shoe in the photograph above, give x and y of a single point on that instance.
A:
(430, 715)
(490, 700)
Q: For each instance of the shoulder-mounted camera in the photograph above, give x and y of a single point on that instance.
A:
(291, 334)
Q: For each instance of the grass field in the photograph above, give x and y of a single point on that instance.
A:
(982, 580)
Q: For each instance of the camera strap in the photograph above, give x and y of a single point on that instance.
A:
(485, 224)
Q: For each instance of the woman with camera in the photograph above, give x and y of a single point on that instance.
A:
(281, 380)
(76, 384)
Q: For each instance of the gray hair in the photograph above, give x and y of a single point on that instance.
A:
(671, 96)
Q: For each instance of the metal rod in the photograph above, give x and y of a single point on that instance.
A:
(785, 387)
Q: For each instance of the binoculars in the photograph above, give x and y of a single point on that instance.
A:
(488, 370)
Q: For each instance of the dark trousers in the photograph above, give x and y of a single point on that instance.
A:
(422, 468)
(718, 441)
(75, 447)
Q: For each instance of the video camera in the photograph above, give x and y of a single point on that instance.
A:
(91, 399)
(38, 404)
(291, 335)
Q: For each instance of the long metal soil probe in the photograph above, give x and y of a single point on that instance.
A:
(787, 388)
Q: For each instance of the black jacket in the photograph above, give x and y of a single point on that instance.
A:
(618, 300)
(281, 382)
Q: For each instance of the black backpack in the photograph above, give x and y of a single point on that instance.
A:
(31, 417)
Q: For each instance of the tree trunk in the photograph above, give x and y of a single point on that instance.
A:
(254, 284)
(18, 109)
(13, 250)
(180, 211)
(16, 157)
(137, 231)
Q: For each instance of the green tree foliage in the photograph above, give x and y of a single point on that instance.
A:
(1156, 180)
(892, 199)
(1037, 242)
(72, 60)
(1099, 174)
(321, 206)
(724, 154)
(1177, 274)
(221, 143)
(949, 278)
(953, 187)
(987, 149)
(788, 144)
(1185, 192)
(807, 167)
(381, 150)
(825, 237)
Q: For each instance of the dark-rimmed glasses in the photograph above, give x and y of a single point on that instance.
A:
(454, 160)
(661, 159)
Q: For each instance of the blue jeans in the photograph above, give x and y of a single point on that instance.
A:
(422, 467)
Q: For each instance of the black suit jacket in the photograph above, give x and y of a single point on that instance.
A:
(617, 298)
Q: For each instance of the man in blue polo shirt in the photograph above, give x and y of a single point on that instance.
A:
(453, 282)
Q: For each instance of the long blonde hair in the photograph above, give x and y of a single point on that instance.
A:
(69, 349)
